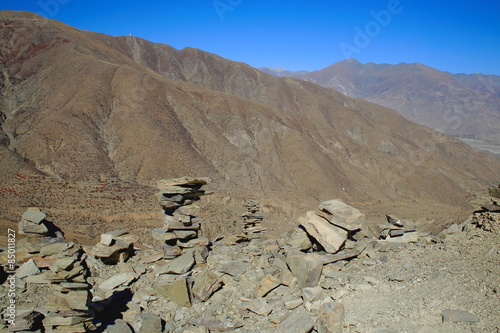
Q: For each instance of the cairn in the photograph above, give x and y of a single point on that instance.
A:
(181, 225)
(56, 270)
(251, 221)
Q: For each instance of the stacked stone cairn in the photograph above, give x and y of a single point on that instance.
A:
(251, 221)
(53, 268)
(394, 227)
(329, 226)
(181, 225)
(488, 217)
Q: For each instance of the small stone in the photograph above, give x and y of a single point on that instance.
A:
(74, 300)
(54, 249)
(394, 220)
(178, 265)
(330, 318)
(396, 232)
(117, 280)
(278, 317)
(300, 240)
(205, 284)
(27, 269)
(63, 264)
(299, 321)
(27, 227)
(185, 234)
(260, 307)
(311, 294)
(119, 326)
(234, 268)
(147, 323)
(171, 252)
(153, 257)
(53, 319)
(27, 320)
(162, 235)
(177, 291)
(290, 305)
(457, 316)
(267, 284)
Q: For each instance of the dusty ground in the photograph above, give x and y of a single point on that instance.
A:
(412, 285)
(85, 209)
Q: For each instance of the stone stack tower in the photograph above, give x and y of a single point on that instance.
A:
(181, 227)
(252, 221)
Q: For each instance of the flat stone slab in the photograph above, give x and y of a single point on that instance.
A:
(177, 291)
(458, 316)
(179, 265)
(117, 280)
(343, 215)
(34, 215)
(27, 269)
(298, 321)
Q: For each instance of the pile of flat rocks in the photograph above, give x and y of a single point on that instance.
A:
(181, 225)
(252, 221)
(488, 217)
(52, 278)
(32, 222)
(330, 225)
(114, 247)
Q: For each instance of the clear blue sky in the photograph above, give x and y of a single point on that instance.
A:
(455, 36)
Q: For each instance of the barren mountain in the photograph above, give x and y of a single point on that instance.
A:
(456, 104)
(83, 106)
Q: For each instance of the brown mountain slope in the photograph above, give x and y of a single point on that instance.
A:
(463, 105)
(78, 105)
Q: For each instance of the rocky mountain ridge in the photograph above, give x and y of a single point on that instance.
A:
(457, 104)
(79, 106)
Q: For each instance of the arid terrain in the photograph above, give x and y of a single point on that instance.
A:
(90, 123)
(464, 105)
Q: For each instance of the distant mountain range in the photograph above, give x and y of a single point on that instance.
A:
(465, 105)
(79, 105)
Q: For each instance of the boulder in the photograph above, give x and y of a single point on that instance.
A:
(329, 236)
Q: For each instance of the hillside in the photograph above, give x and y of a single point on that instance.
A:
(455, 104)
(78, 106)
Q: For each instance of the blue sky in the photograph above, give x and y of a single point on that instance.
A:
(455, 36)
